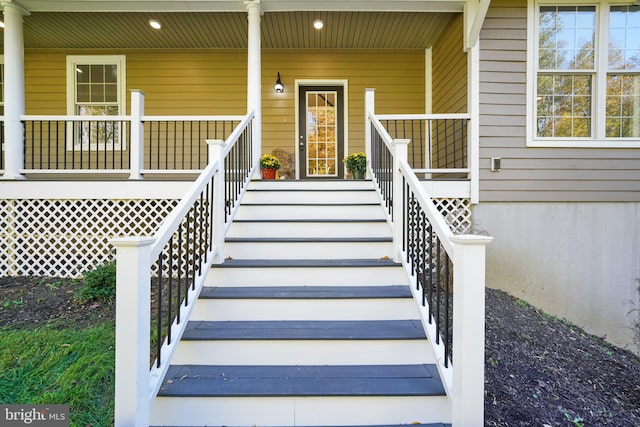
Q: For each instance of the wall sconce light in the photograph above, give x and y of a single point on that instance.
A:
(279, 87)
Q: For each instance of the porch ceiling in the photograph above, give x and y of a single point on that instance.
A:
(280, 30)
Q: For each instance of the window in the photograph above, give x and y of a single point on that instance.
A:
(585, 75)
(95, 86)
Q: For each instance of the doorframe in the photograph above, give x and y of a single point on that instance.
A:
(313, 82)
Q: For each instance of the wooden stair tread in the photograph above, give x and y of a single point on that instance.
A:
(305, 292)
(304, 330)
(248, 263)
(356, 380)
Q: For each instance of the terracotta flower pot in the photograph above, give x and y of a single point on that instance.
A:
(268, 173)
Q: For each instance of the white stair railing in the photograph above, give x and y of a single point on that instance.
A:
(447, 271)
(173, 264)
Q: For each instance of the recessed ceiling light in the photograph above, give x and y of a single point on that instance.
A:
(154, 24)
(318, 24)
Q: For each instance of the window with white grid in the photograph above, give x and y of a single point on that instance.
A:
(585, 75)
(96, 87)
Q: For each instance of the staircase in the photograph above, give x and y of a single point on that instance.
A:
(308, 322)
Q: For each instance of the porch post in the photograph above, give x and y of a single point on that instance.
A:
(400, 151)
(14, 106)
(136, 146)
(369, 107)
(133, 275)
(473, 135)
(468, 330)
(254, 72)
(216, 154)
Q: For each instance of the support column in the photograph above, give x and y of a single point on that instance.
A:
(14, 105)
(254, 75)
(369, 107)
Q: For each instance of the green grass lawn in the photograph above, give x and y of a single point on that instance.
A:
(60, 366)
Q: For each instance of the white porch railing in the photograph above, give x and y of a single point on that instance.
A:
(127, 145)
(447, 271)
(173, 264)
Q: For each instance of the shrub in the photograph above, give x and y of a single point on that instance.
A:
(99, 283)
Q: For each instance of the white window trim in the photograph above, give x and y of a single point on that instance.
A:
(72, 61)
(599, 141)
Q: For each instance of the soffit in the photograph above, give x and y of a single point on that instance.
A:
(188, 30)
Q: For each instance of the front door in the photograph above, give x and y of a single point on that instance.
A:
(321, 133)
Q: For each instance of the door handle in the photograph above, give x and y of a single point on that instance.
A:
(301, 145)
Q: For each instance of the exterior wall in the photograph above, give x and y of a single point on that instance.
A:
(564, 219)
(397, 76)
(449, 82)
(579, 261)
(175, 82)
(213, 82)
(449, 66)
(530, 173)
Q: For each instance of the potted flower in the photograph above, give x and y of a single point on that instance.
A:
(356, 163)
(269, 164)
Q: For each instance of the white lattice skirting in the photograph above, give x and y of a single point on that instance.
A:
(64, 238)
(457, 213)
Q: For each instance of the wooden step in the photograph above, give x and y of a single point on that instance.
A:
(305, 303)
(310, 211)
(310, 228)
(311, 272)
(305, 330)
(306, 292)
(300, 195)
(269, 381)
(308, 247)
(304, 342)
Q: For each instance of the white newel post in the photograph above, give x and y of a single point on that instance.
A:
(133, 276)
(216, 154)
(468, 330)
(254, 73)
(14, 106)
(369, 107)
(400, 152)
(136, 145)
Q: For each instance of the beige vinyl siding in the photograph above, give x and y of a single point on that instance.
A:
(192, 82)
(449, 64)
(213, 82)
(532, 173)
(449, 81)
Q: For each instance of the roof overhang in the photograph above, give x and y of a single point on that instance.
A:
(239, 5)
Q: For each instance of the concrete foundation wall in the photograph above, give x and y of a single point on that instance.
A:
(579, 261)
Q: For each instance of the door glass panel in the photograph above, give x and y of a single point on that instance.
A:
(322, 141)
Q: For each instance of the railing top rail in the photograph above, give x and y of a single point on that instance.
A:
(435, 218)
(174, 219)
(238, 131)
(73, 118)
(381, 130)
(191, 118)
(76, 118)
(459, 116)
